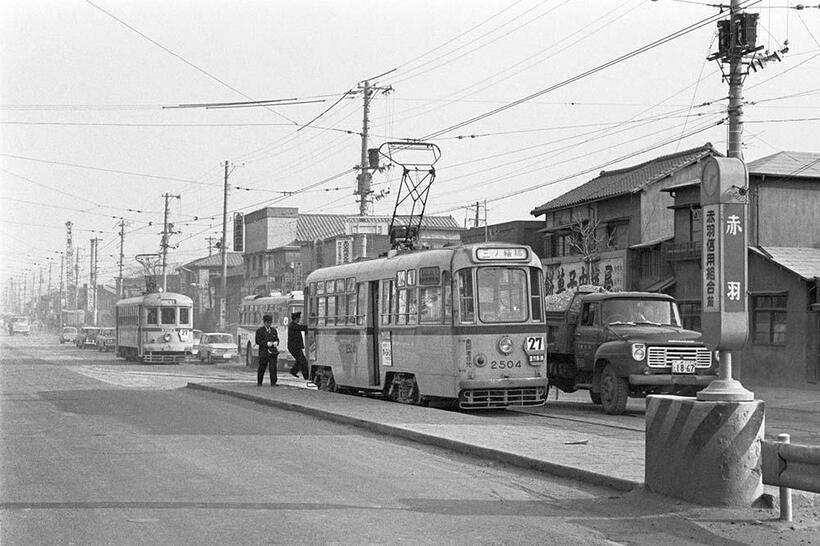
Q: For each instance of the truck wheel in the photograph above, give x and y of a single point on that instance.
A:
(595, 397)
(614, 391)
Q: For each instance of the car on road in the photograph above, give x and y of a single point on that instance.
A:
(87, 337)
(68, 334)
(217, 346)
(106, 339)
(19, 326)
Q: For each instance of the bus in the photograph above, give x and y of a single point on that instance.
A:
(280, 307)
(155, 328)
(461, 324)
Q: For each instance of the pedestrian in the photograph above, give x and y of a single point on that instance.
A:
(296, 346)
(268, 341)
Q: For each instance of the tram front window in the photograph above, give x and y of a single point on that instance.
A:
(168, 315)
(502, 294)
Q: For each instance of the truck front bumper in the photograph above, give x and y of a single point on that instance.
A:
(671, 379)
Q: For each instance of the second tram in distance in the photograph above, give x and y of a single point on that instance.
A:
(155, 328)
(462, 323)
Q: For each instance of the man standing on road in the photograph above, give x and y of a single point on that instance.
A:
(296, 346)
(268, 341)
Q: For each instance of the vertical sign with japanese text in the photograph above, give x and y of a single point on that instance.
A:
(724, 317)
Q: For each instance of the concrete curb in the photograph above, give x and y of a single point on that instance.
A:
(485, 453)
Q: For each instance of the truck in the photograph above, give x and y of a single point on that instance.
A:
(623, 344)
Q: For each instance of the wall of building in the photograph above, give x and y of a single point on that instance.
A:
(794, 363)
(775, 201)
(522, 232)
(270, 227)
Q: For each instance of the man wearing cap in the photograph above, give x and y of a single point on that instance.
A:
(296, 346)
(268, 341)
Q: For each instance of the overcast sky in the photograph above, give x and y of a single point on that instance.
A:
(87, 135)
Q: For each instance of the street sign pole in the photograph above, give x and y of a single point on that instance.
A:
(725, 323)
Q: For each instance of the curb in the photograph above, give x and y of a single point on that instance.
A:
(485, 453)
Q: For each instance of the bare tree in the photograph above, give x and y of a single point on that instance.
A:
(588, 238)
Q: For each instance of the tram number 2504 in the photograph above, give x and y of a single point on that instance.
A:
(502, 364)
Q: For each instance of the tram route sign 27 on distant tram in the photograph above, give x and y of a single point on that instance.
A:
(725, 240)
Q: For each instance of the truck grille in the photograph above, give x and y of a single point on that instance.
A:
(663, 356)
(502, 398)
(166, 356)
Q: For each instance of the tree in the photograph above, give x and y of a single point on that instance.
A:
(588, 241)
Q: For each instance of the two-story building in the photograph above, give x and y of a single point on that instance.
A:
(283, 246)
(610, 230)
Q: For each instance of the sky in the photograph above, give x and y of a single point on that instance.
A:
(525, 99)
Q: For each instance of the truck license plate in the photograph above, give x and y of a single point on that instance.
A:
(683, 366)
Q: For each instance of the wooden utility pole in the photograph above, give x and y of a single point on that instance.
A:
(223, 312)
(165, 235)
(120, 288)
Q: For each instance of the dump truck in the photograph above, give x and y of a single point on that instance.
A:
(623, 344)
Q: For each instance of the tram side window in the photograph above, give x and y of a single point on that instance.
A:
(431, 305)
(466, 298)
(446, 283)
(321, 310)
(386, 301)
(412, 305)
(151, 315)
(332, 309)
(352, 301)
(401, 316)
(361, 303)
(184, 316)
(168, 315)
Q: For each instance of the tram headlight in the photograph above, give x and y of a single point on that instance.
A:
(167, 338)
(638, 351)
(505, 345)
(480, 360)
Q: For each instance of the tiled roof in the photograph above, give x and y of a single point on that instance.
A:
(626, 180)
(311, 227)
(804, 262)
(234, 259)
(790, 164)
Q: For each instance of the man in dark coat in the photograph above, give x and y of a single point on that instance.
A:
(296, 346)
(268, 341)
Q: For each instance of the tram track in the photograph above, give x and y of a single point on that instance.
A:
(575, 419)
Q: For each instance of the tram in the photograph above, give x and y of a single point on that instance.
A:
(155, 328)
(280, 306)
(458, 324)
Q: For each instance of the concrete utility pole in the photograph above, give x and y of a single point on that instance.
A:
(122, 257)
(62, 273)
(223, 312)
(70, 284)
(76, 287)
(92, 289)
(165, 234)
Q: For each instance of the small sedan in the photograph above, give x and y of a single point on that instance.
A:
(217, 346)
(68, 335)
(106, 339)
(87, 337)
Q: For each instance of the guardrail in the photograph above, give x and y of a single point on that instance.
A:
(790, 466)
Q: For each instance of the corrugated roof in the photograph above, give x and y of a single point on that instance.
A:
(234, 259)
(787, 164)
(311, 227)
(804, 262)
(626, 180)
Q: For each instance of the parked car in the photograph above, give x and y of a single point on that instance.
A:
(19, 326)
(196, 337)
(87, 337)
(106, 339)
(217, 346)
(68, 334)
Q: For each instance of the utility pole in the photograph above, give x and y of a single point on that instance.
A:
(223, 312)
(364, 177)
(211, 241)
(165, 234)
(62, 273)
(122, 258)
(93, 281)
(76, 289)
(70, 284)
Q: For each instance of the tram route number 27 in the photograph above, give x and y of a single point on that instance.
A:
(502, 364)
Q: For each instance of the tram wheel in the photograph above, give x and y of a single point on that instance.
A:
(324, 381)
(404, 390)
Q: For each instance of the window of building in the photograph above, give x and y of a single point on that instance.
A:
(769, 319)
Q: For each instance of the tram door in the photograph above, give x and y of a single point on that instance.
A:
(374, 354)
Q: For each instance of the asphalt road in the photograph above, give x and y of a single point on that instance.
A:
(98, 451)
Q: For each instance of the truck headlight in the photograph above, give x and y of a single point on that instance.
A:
(638, 351)
(505, 345)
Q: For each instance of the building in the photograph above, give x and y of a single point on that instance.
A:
(523, 232)
(200, 280)
(784, 267)
(610, 230)
(282, 246)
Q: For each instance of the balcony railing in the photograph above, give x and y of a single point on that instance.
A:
(691, 250)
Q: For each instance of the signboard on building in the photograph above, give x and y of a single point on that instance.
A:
(344, 250)
(239, 232)
(606, 272)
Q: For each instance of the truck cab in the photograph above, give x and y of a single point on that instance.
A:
(625, 344)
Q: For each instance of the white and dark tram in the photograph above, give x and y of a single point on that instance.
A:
(155, 328)
(458, 324)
